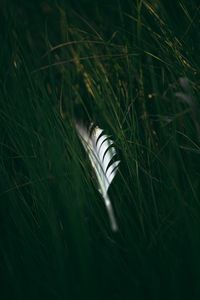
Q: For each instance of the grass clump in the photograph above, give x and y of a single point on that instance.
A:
(133, 68)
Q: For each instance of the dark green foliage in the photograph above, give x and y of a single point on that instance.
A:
(133, 68)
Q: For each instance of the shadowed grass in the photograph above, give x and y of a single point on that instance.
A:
(133, 68)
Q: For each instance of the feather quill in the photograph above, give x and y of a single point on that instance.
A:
(101, 152)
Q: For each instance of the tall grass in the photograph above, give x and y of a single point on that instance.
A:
(133, 68)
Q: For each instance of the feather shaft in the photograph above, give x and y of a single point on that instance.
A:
(111, 215)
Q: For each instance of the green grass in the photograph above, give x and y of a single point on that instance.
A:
(133, 68)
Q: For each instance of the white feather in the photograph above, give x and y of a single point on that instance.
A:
(101, 154)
